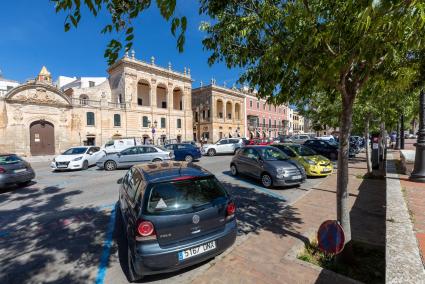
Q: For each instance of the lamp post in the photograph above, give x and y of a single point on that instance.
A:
(402, 131)
(418, 173)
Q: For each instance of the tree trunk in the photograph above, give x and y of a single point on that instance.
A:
(343, 209)
(367, 145)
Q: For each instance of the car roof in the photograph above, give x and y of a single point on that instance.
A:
(7, 154)
(168, 171)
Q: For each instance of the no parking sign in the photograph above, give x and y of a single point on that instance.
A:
(330, 237)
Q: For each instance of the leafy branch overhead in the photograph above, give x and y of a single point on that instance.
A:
(123, 16)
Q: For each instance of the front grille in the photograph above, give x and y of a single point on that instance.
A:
(325, 164)
(62, 163)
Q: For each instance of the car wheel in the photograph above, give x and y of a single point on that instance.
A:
(156, 160)
(85, 165)
(188, 158)
(266, 180)
(132, 275)
(333, 156)
(233, 170)
(110, 165)
(211, 152)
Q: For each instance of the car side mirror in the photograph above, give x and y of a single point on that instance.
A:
(119, 181)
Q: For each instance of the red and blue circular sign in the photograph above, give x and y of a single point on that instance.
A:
(330, 237)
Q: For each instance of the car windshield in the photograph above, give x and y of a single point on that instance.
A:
(109, 143)
(272, 154)
(75, 151)
(9, 159)
(303, 151)
(185, 195)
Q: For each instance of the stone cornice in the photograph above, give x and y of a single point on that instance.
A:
(149, 68)
(227, 91)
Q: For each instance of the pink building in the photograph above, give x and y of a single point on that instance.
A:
(265, 120)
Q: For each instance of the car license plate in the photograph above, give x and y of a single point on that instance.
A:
(20, 170)
(296, 177)
(326, 170)
(62, 166)
(196, 250)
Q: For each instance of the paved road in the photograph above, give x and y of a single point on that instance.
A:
(60, 228)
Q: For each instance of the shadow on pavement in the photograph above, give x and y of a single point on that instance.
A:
(43, 241)
(255, 181)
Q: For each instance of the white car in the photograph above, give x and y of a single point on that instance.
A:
(223, 146)
(77, 158)
(117, 145)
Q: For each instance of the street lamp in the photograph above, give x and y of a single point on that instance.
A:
(418, 173)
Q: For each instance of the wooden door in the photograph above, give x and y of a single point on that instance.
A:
(42, 138)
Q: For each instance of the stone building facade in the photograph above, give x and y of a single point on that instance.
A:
(139, 100)
(218, 112)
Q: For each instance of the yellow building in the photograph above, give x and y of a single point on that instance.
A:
(218, 112)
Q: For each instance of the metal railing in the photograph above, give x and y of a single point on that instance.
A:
(85, 102)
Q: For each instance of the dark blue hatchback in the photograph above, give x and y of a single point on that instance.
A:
(173, 215)
(185, 152)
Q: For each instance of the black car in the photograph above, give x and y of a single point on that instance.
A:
(323, 147)
(173, 215)
(14, 170)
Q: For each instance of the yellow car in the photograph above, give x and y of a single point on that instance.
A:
(314, 165)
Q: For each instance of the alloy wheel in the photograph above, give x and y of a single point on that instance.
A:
(110, 165)
(266, 180)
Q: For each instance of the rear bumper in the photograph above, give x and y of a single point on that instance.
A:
(13, 178)
(153, 259)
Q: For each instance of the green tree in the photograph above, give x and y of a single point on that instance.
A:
(292, 49)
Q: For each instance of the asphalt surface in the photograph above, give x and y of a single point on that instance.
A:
(61, 228)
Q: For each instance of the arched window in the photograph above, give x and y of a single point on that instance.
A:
(84, 100)
(143, 94)
(117, 120)
(90, 118)
(177, 99)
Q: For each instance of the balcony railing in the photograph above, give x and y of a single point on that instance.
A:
(119, 105)
(85, 102)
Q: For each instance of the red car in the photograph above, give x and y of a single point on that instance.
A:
(262, 142)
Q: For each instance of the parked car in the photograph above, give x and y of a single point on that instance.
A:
(193, 143)
(324, 148)
(223, 146)
(284, 139)
(300, 138)
(117, 145)
(173, 215)
(262, 142)
(77, 158)
(134, 155)
(15, 170)
(184, 152)
(314, 164)
(269, 164)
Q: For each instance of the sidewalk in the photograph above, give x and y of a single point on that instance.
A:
(414, 194)
(269, 254)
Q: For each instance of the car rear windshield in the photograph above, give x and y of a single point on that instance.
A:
(185, 196)
(9, 159)
(303, 151)
(75, 151)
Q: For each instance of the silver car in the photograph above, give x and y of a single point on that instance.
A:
(14, 170)
(269, 164)
(223, 146)
(300, 138)
(134, 155)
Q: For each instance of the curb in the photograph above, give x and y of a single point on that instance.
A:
(403, 261)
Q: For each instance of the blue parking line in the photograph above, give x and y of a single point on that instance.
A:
(104, 260)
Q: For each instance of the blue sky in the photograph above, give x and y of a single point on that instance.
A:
(32, 35)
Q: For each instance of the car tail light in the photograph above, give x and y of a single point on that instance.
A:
(145, 231)
(2, 170)
(230, 210)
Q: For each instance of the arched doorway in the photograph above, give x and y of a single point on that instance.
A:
(42, 138)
